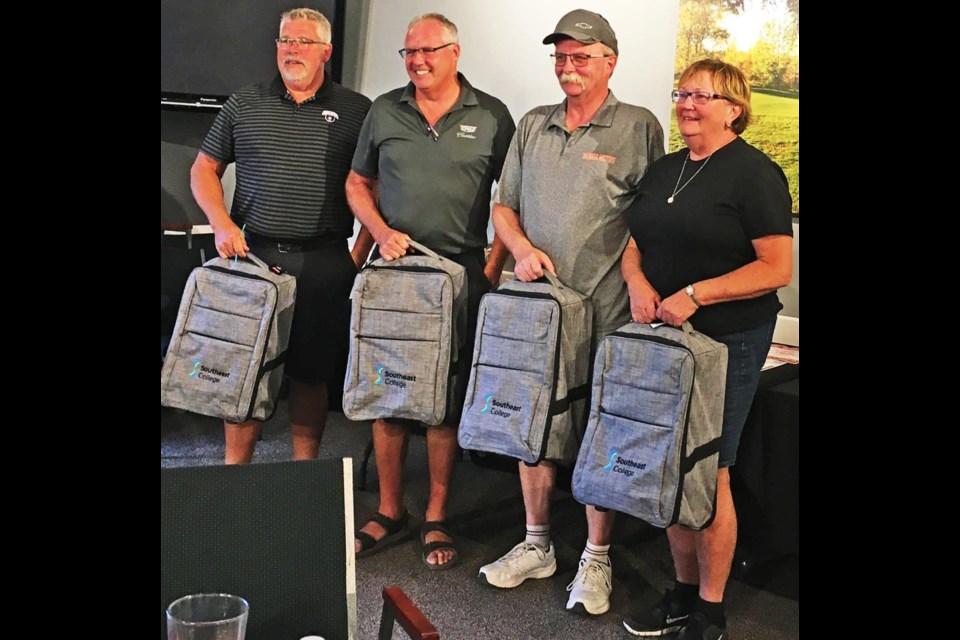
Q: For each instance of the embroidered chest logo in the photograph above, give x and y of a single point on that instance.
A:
(602, 157)
(330, 116)
(467, 131)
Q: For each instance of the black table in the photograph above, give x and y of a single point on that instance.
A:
(766, 478)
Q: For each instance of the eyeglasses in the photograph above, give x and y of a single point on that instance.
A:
(578, 59)
(426, 51)
(286, 43)
(699, 97)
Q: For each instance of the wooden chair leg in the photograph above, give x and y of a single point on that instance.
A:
(386, 621)
(397, 607)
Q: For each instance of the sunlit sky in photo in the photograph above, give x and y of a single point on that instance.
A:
(746, 27)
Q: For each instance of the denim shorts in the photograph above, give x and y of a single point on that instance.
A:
(746, 352)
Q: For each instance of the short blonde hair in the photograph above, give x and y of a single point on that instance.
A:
(323, 25)
(445, 22)
(728, 81)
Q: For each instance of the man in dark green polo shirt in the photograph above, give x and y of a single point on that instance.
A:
(433, 150)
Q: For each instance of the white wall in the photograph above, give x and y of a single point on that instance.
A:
(790, 294)
(788, 324)
(502, 54)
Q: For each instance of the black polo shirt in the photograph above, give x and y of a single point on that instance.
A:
(292, 159)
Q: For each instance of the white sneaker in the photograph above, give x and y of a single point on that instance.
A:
(526, 560)
(590, 589)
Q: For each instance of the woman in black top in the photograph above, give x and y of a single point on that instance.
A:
(711, 243)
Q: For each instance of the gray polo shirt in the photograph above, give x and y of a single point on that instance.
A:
(435, 184)
(571, 190)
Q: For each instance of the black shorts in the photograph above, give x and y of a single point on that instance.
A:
(477, 286)
(319, 337)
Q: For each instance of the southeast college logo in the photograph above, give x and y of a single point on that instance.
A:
(467, 131)
(622, 465)
(494, 407)
(486, 403)
(209, 374)
(392, 378)
(613, 455)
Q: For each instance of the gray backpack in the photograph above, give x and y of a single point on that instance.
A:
(230, 341)
(407, 328)
(653, 438)
(530, 377)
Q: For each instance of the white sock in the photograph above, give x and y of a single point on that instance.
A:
(601, 553)
(539, 534)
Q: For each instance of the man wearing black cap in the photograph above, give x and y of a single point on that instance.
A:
(575, 167)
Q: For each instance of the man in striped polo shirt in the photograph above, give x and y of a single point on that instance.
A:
(292, 140)
(432, 149)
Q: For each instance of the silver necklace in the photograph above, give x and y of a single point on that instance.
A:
(675, 190)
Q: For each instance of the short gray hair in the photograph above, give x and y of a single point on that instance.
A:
(445, 22)
(304, 13)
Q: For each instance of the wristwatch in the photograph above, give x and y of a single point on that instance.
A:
(689, 291)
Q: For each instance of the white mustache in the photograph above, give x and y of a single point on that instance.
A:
(573, 78)
(292, 59)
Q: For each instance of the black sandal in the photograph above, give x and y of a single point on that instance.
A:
(395, 532)
(430, 547)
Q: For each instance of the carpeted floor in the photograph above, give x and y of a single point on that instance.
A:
(486, 515)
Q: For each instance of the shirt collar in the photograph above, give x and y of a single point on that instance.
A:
(467, 97)
(278, 88)
(602, 118)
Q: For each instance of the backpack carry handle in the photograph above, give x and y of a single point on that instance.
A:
(257, 261)
(552, 279)
(422, 249)
(686, 327)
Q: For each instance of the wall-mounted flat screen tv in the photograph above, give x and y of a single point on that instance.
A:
(211, 48)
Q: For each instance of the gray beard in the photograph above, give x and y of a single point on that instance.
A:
(291, 76)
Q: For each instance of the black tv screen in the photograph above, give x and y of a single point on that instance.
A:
(211, 48)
